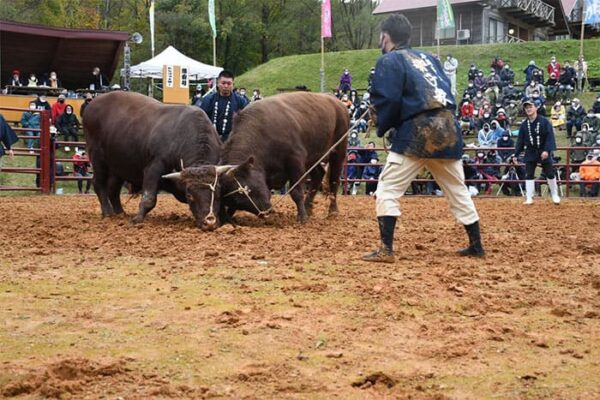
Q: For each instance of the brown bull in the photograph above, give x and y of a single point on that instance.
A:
(134, 138)
(273, 142)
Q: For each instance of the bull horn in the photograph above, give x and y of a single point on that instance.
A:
(222, 169)
(173, 175)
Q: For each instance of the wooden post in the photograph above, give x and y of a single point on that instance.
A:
(322, 71)
(46, 171)
(214, 50)
(580, 64)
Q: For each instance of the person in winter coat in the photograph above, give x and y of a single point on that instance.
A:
(41, 103)
(485, 136)
(68, 124)
(507, 75)
(81, 167)
(592, 120)
(575, 116)
(15, 79)
(577, 156)
(505, 146)
(58, 108)
(529, 72)
(590, 172)
(558, 115)
(596, 105)
(8, 137)
(31, 119)
(512, 173)
(345, 81)
(371, 172)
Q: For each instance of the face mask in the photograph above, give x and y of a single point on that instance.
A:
(505, 138)
(61, 100)
(480, 155)
(486, 115)
(478, 95)
(578, 140)
(42, 99)
(52, 76)
(598, 141)
(373, 161)
(69, 112)
(32, 107)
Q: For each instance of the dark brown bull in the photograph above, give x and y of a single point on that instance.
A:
(274, 141)
(134, 138)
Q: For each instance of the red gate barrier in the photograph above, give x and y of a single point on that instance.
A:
(561, 180)
(42, 153)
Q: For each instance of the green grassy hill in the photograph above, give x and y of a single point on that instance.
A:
(288, 72)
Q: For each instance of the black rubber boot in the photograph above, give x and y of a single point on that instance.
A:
(385, 253)
(475, 248)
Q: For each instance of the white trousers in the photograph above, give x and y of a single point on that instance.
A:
(400, 171)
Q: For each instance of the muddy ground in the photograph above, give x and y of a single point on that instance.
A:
(97, 308)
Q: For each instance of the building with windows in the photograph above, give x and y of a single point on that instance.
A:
(488, 21)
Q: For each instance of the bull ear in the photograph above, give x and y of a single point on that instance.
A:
(223, 169)
(174, 176)
(250, 161)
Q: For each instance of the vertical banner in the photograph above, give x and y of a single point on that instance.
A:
(445, 20)
(211, 17)
(326, 19)
(152, 26)
(183, 78)
(592, 12)
(169, 78)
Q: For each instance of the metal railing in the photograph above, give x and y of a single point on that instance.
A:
(564, 179)
(538, 8)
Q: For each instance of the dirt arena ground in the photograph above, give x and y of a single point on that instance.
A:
(95, 308)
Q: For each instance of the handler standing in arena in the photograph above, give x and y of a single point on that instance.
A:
(412, 97)
(536, 136)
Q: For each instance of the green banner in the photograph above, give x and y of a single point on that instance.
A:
(211, 17)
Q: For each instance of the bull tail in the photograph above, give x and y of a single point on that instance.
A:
(325, 183)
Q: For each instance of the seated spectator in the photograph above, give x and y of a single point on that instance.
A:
(540, 102)
(493, 85)
(81, 166)
(15, 79)
(467, 116)
(590, 172)
(362, 121)
(368, 153)
(577, 156)
(485, 117)
(575, 116)
(485, 136)
(470, 173)
(497, 64)
(31, 119)
(424, 188)
(510, 93)
(507, 75)
(346, 101)
(497, 131)
(196, 98)
(354, 98)
(58, 108)
(42, 103)
(479, 101)
(553, 67)
(592, 120)
(242, 94)
(472, 73)
(68, 124)
(470, 90)
(256, 95)
(33, 80)
(99, 80)
(371, 173)
(490, 172)
(512, 173)
(558, 115)
(370, 79)
(596, 105)
(345, 81)
(529, 72)
(552, 86)
(352, 172)
(480, 82)
(534, 87)
(502, 119)
(565, 85)
(52, 81)
(512, 111)
(505, 146)
(538, 76)
(88, 99)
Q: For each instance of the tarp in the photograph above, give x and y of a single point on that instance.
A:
(153, 67)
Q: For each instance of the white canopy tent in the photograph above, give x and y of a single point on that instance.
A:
(153, 68)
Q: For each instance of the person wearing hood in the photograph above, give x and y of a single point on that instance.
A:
(33, 80)
(505, 146)
(68, 124)
(529, 72)
(497, 131)
(502, 119)
(485, 136)
(575, 116)
(485, 117)
(558, 115)
(536, 137)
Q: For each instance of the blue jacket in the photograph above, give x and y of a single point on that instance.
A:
(8, 137)
(237, 103)
(527, 133)
(411, 94)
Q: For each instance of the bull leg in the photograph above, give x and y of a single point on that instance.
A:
(298, 195)
(100, 182)
(152, 175)
(114, 193)
(336, 163)
(316, 176)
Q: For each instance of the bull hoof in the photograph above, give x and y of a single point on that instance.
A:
(137, 219)
(303, 219)
(333, 214)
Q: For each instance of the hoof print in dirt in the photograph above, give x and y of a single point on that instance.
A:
(374, 379)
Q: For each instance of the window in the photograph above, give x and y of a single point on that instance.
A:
(495, 31)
